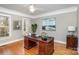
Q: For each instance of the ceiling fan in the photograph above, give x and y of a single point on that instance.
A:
(32, 8)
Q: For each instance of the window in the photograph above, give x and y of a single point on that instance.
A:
(26, 24)
(4, 26)
(49, 24)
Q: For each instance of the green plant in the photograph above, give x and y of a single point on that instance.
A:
(44, 37)
(34, 28)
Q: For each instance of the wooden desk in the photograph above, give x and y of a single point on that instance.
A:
(44, 47)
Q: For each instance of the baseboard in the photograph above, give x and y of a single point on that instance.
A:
(22, 39)
(59, 41)
(11, 42)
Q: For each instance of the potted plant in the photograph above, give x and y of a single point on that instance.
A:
(44, 36)
(34, 28)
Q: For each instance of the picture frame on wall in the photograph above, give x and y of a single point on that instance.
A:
(49, 24)
(17, 25)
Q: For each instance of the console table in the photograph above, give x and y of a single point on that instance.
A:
(44, 47)
(72, 42)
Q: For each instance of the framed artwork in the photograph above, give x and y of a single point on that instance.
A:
(17, 25)
(49, 24)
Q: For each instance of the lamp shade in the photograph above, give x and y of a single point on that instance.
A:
(71, 28)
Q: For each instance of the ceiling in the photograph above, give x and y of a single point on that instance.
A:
(41, 8)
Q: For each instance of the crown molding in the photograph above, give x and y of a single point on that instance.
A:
(66, 10)
(61, 11)
(13, 12)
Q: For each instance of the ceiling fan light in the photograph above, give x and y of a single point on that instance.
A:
(31, 8)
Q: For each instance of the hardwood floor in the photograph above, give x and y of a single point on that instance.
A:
(17, 48)
(12, 49)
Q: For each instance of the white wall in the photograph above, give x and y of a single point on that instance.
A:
(62, 22)
(15, 34)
